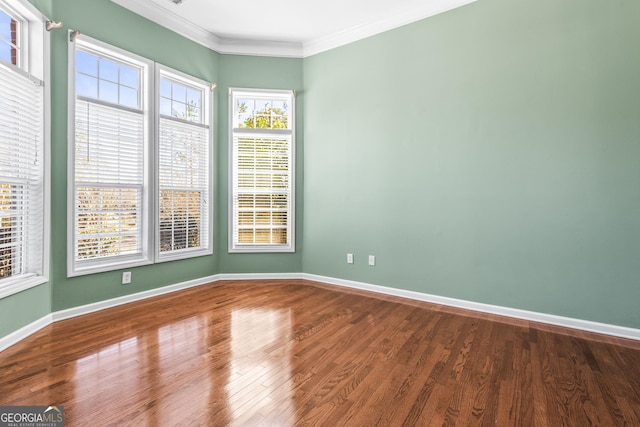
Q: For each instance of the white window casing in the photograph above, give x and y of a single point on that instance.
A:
(110, 135)
(140, 160)
(184, 166)
(262, 196)
(24, 152)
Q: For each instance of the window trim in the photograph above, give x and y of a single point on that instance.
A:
(34, 63)
(150, 100)
(262, 248)
(207, 115)
(79, 268)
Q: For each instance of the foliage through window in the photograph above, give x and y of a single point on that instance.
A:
(262, 171)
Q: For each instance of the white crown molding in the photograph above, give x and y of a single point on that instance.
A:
(163, 17)
(173, 22)
(233, 46)
(359, 32)
(229, 46)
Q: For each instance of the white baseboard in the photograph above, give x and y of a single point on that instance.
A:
(259, 276)
(567, 322)
(125, 299)
(22, 333)
(551, 319)
(101, 305)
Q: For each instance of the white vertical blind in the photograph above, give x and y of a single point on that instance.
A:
(183, 170)
(21, 174)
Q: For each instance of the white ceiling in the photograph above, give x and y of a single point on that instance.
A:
(290, 28)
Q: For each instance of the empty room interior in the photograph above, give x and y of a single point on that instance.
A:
(418, 212)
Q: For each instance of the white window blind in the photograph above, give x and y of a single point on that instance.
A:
(140, 150)
(21, 175)
(262, 171)
(183, 166)
(109, 152)
(109, 180)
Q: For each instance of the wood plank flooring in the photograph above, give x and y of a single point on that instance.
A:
(299, 353)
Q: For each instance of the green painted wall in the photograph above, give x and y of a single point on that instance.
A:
(490, 153)
(269, 73)
(23, 308)
(43, 6)
(112, 24)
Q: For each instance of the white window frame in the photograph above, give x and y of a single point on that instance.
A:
(150, 94)
(235, 93)
(80, 267)
(33, 62)
(206, 210)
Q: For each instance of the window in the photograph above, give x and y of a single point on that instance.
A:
(183, 165)
(9, 46)
(23, 155)
(111, 138)
(262, 180)
(128, 163)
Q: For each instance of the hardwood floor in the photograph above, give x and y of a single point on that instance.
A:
(285, 353)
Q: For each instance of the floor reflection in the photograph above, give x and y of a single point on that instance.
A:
(153, 372)
(259, 387)
(181, 346)
(207, 357)
(100, 376)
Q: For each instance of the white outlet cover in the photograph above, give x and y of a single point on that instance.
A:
(372, 260)
(349, 258)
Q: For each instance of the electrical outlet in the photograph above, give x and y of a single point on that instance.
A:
(372, 260)
(126, 277)
(349, 258)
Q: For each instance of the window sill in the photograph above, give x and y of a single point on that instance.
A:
(183, 254)
(21, 284)
(82, 270)
(257, 249)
